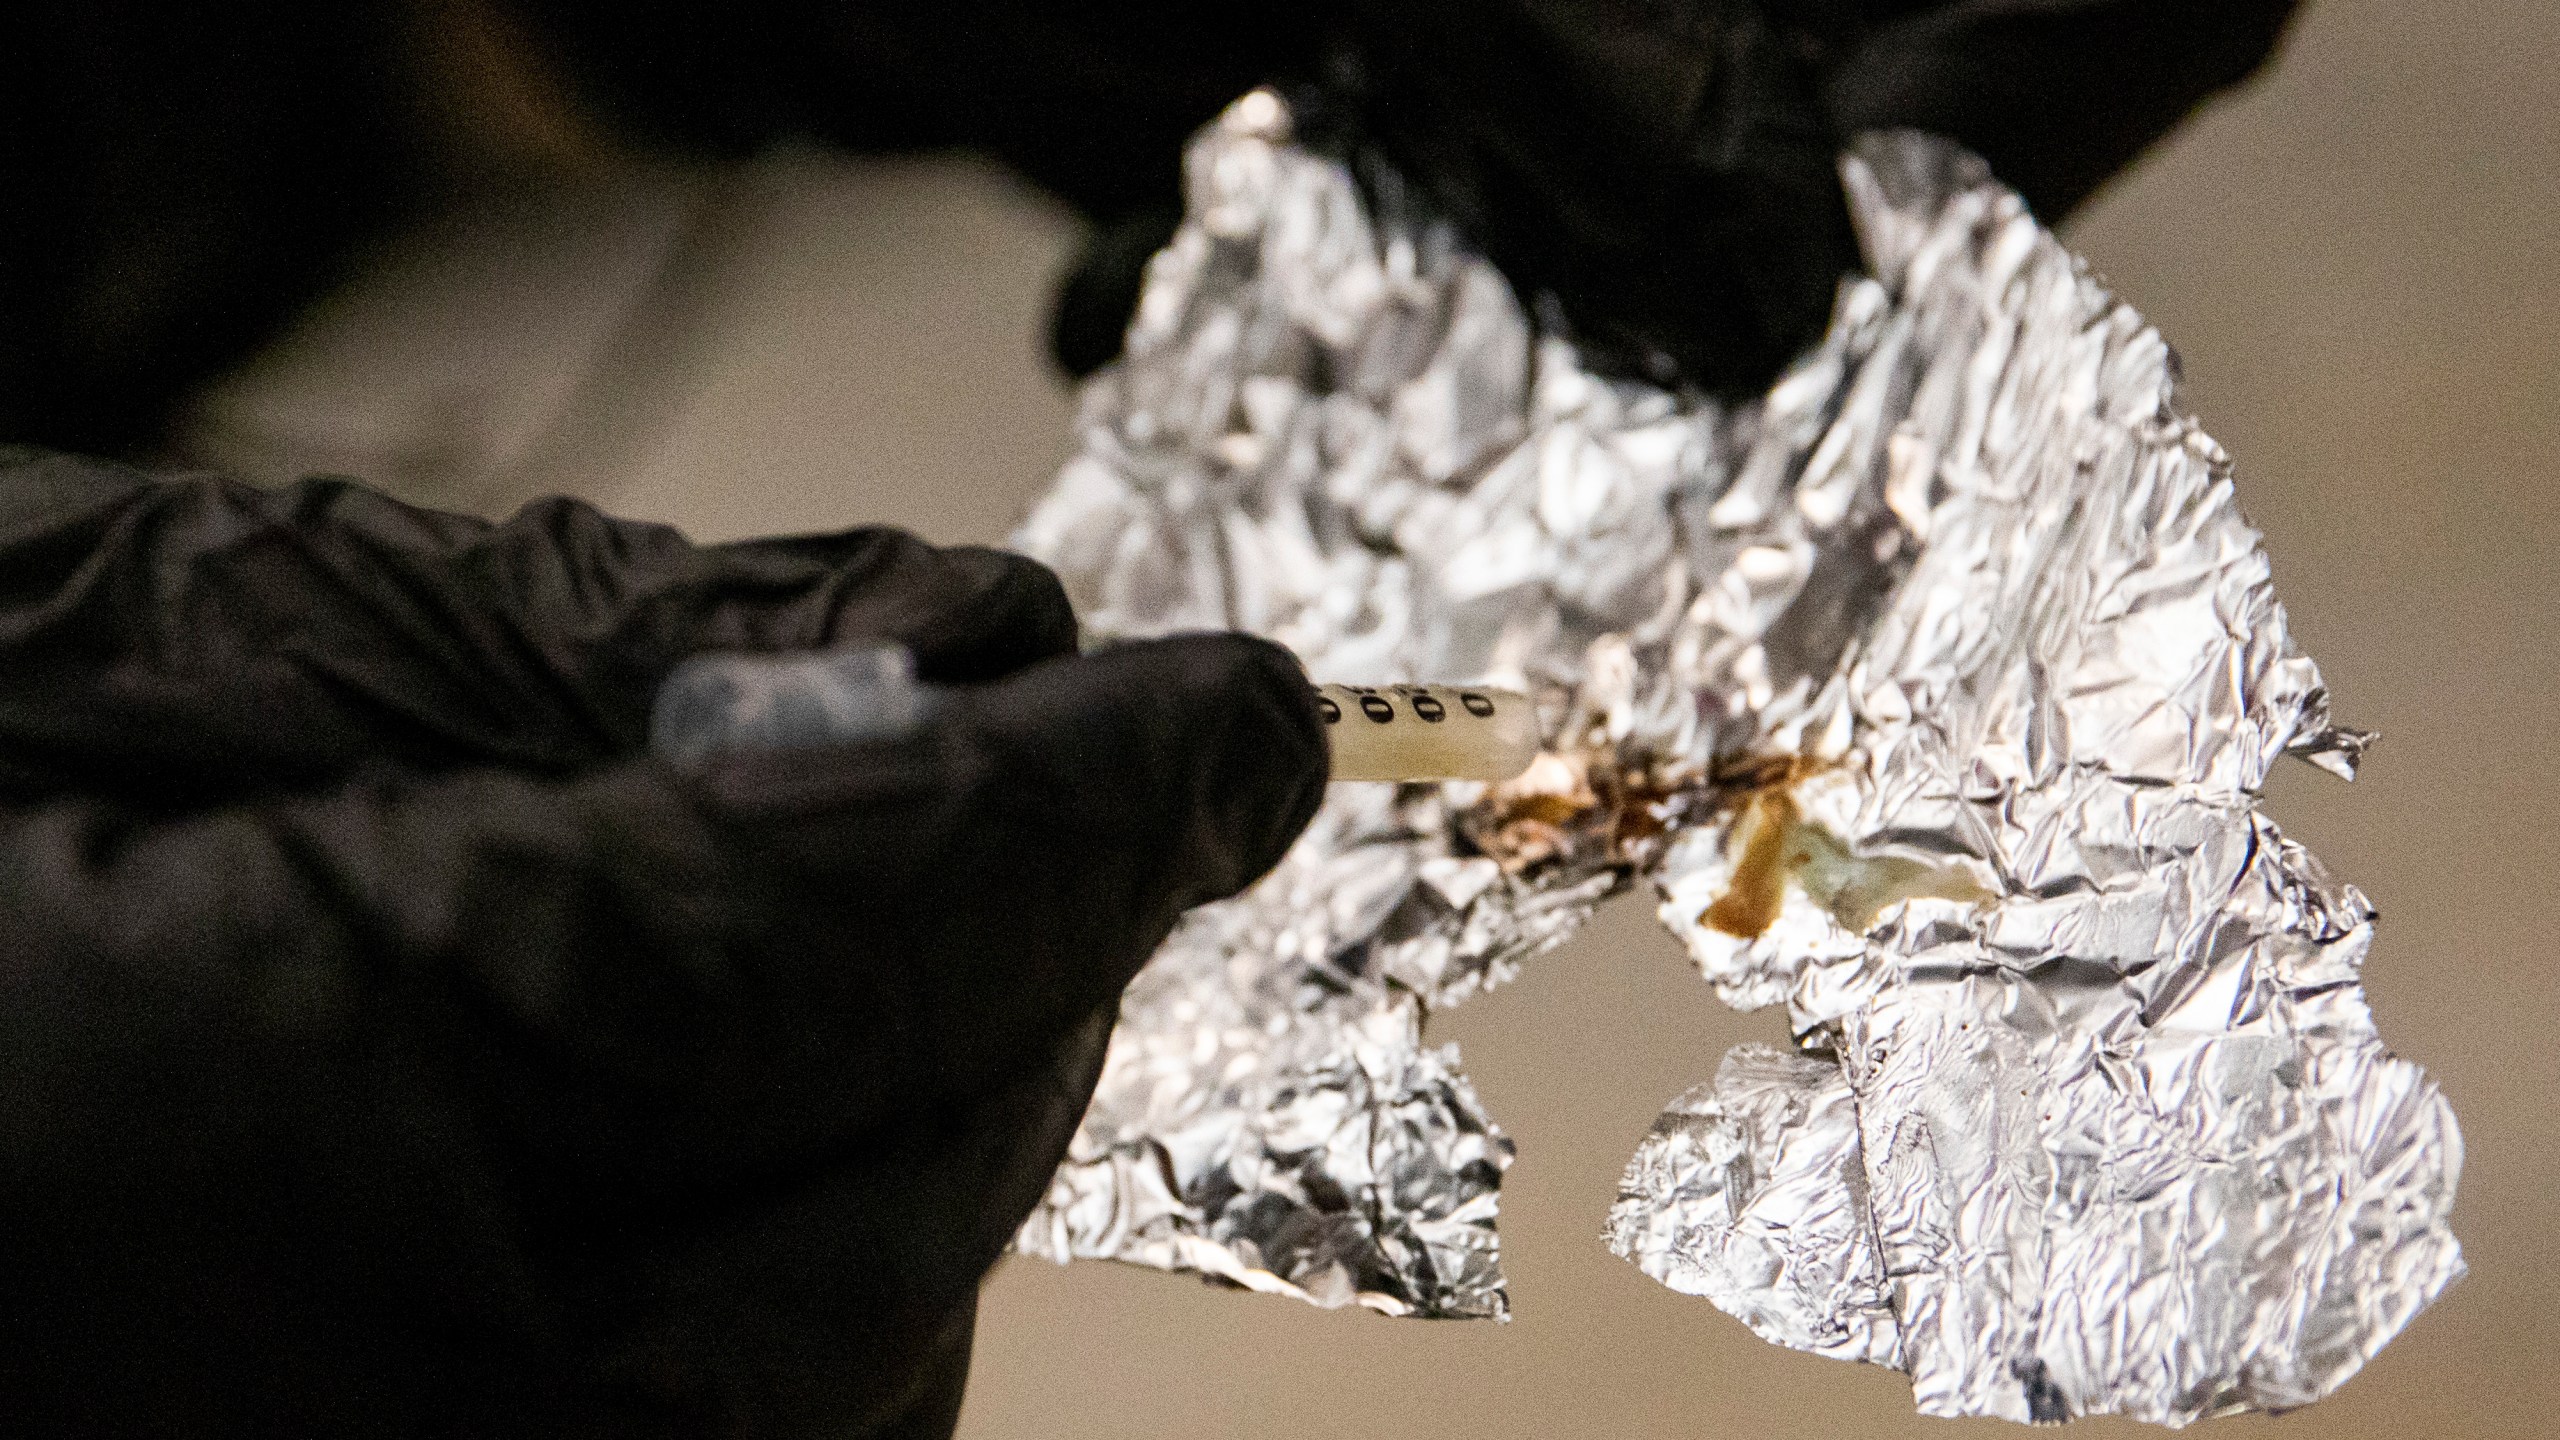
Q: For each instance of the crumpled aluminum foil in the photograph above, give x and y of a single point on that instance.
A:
(1933, 693)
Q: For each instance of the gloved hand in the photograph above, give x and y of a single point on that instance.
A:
(1667, 168)
(1664, 166)
(388, 1045)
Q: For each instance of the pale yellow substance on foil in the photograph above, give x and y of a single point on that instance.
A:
(1428, 732)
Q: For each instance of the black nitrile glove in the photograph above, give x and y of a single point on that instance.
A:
(1664, 166)
(390, 1046)
(1667, 168)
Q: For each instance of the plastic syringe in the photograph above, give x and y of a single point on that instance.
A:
(1428, 732)
(713, 704)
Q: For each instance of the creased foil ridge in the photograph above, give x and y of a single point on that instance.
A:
(1933, 693)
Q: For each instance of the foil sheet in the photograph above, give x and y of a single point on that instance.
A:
(1932, 692)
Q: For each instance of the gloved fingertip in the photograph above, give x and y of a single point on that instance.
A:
(1242, 763)
(1001, 612)
(1190, 762)
(1264, 778)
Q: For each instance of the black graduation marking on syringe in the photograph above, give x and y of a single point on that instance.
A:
(1495, 742)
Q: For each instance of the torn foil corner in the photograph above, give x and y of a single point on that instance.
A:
(1933, 692)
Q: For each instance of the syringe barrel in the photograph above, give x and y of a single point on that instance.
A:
(1428, 732)
(724, 703)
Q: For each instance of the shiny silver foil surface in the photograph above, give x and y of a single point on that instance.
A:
(1932, 692)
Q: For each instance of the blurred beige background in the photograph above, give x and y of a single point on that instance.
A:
(2358, 261)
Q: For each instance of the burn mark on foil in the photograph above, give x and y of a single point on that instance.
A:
(1578, 808)
(1764, 836)
(1773, 845)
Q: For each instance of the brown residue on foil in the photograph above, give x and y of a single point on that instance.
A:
(1578, 803)
(1772, 844)
(1760, 866)
(1539, 815)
